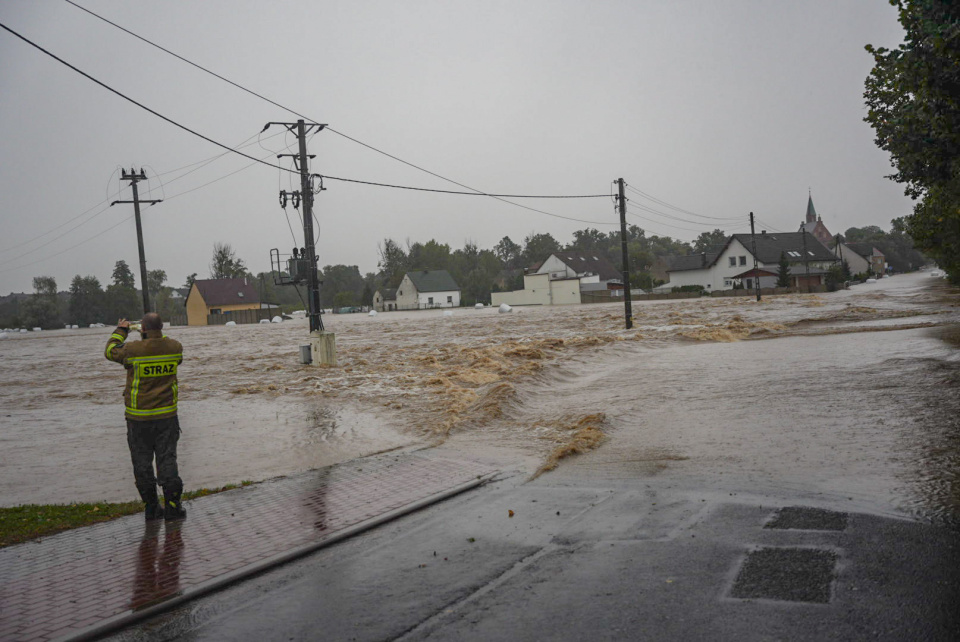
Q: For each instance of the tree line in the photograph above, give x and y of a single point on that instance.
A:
(477, 271)
(87, 301)
(913, 106)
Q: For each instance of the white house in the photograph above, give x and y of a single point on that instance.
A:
(424, 289)
(588, 267)
(561, 278)
(385, 300)
(858, 264)
(732, 264)
(540, 289)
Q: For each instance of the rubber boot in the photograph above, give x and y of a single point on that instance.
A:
(174, 508)
(149, 496)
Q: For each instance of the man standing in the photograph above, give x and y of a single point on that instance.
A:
(150, 397)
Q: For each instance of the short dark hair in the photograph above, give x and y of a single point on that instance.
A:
(151, 321)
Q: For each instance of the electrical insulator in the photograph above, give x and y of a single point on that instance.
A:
(283, 199)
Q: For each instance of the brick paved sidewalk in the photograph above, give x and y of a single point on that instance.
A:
(83, 582)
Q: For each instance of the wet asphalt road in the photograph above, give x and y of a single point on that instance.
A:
(612, 561)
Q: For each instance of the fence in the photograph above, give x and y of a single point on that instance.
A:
(243, 316)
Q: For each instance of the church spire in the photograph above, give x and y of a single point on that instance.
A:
(811, 212)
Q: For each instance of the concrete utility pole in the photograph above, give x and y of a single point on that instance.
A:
(756, 269)
(301, 129)
(806, 263)
(322, 342)
(135, 178)
(627, 304)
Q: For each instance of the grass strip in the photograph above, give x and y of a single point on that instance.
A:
(30, 521)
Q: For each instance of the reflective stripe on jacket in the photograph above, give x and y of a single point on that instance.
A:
(151, 363)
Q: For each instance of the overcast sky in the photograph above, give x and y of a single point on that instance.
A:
(719, 108)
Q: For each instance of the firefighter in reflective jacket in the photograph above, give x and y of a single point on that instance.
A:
(150, 397)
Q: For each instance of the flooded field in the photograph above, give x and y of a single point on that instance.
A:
(853, 393)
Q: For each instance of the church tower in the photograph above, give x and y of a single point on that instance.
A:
(814, 225)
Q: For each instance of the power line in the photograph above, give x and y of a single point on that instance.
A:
(54, 229)
(75, 245)
(327, 128)
(59, 236)
(680, 209)
(127, 98)
(236, 151)
(445, 191)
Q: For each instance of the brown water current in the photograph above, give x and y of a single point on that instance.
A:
(852, 394)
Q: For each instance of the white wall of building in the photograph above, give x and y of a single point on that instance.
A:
(857, 263)
(407, 298)
(446, 299)
(540, 289)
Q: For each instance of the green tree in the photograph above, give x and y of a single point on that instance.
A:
(155, 281)
(225, 264)
(123, 276)
(86, 301)
(538, 248)
(783, 272)
(428, 256)
(190, 279)
(708, 240)
(121, 300)
(393, 262)
(589, 241)
(343, 300)
(339, 279)
(509, 253)
(42, 310)
(913, 105)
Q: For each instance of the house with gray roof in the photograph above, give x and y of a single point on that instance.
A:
(732, 265)
(385, 300)
(424, 289)
(588, 267)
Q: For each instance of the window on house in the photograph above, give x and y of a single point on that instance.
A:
(727, 283)
(430, 300)
(749, 284)
(743, 260)
(733, 261)
(450, 299)
(216, 311)
(400, 292)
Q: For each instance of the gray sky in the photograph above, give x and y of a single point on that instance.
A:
(719, 108)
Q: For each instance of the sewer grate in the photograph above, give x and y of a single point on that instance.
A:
(790, 574)
(811, 519)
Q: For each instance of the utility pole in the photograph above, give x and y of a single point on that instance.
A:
(323, 349)
(756, 269)
(627, 304)
(301, 129)
(806, 263)
(135, 178)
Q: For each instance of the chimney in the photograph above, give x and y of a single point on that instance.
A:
(703, 259)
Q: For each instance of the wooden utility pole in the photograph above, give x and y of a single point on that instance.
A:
(627, 303)
(753, 249)
(135, 178)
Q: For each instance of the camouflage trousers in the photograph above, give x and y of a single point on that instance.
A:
(158, 439)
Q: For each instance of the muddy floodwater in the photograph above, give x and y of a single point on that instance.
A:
(852, 394)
